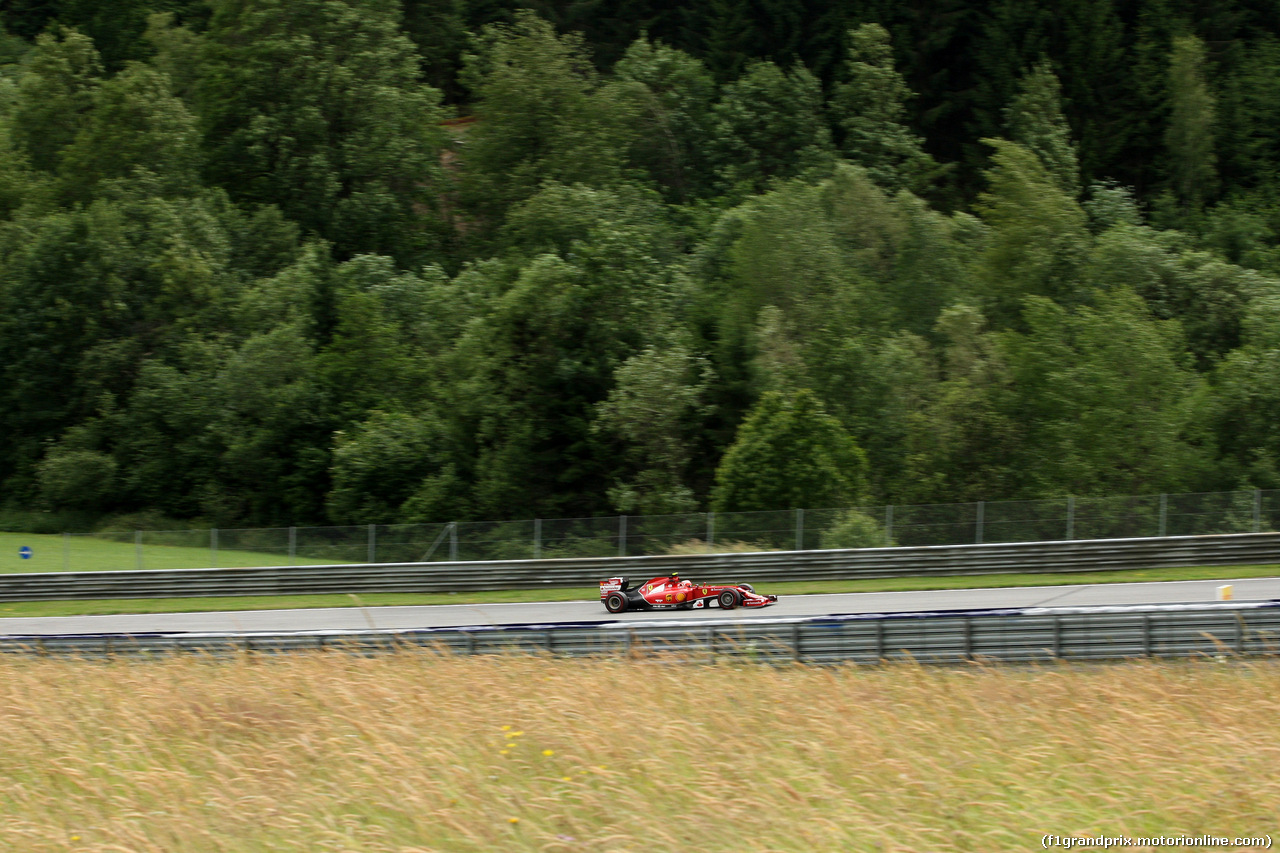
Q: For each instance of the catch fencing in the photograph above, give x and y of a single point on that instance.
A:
(1027, 635)
(982, 522)
(761, 567)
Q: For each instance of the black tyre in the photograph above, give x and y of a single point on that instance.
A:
(728, 599)
(615, 602)
(748, 587)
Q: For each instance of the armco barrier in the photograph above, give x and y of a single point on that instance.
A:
(763, 567)
(1017, 636)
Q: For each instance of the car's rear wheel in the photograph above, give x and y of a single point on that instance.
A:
(615, 602)
(728, 599)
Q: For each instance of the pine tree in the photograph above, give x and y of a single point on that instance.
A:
(871, 108)
(1036, 121)
(1189, 136)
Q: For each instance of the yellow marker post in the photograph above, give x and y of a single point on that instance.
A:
(1225, 592)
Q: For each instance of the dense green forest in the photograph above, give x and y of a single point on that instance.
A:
(272, 262)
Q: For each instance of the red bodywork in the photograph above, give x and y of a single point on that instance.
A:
(670, 592)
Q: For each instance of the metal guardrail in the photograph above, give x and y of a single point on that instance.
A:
(1023, 635)
(762, 567)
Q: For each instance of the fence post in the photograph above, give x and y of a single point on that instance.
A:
(978, 525)
(66, 552)
(213, 547)
(1257, 510)
(537, 539)
(711, 529)
(293, 546)
(888, 526)
(137, 547)
(799, 530)
(622, 536)
(453, 541)
(1164, 514)
(1071, 518)
(373, 544)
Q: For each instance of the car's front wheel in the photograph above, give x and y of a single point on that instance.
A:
(615, 602)
(728, 599)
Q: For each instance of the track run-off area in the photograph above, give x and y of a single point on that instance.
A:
(1085, 596)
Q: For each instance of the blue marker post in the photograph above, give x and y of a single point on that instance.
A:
(25, 552)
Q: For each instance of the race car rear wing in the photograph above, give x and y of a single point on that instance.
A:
(619, 584)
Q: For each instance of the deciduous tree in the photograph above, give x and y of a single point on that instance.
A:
(544, 115)
(316, 106)
(768, 124)
(790, 454)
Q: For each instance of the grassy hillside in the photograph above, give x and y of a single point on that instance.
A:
(86, 553)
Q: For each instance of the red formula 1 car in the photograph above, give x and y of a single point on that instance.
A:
(672, 593)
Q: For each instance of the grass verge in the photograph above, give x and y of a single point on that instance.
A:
(291, 602)
(419, 752)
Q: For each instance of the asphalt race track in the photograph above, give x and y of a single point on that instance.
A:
(462, 615)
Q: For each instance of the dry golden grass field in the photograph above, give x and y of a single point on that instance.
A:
(418, 752)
